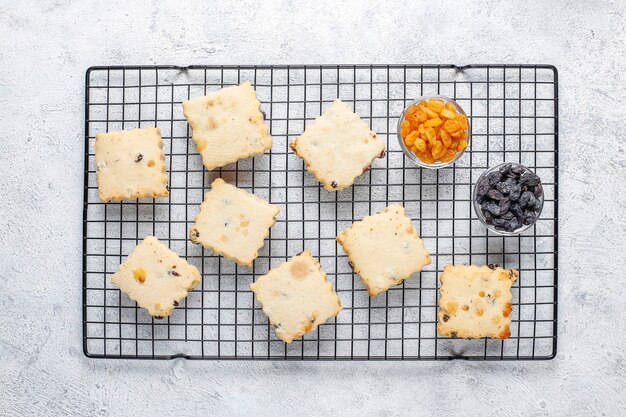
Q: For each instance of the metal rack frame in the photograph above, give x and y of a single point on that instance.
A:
(513, 113)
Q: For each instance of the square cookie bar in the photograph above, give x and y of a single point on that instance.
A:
(233, 223)
(384, 249)
(475, 301)
(338, 147)
(227, 125)
(130, 164)
(296, 296)
(155, 277)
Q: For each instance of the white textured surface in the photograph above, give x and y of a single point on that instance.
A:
(44, 51)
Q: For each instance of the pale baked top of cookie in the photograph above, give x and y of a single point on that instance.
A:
(384, 249)
(155, 277)
(130, 164)
(233, 223)
(338, 146)
(475, 301)
(227, 125)
(296, 296)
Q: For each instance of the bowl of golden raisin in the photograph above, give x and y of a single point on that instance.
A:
(433, 131)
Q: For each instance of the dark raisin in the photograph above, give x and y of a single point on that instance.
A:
(505, 203)
(158, 317)
(195, 234)
(382, 154)
(505, 169)
(537, 205)
(506, 185)
(483, 186)
(531, 200)
(529, 179)
(139, 158)
(480, 199)
(167, 187)
(445, 317)
(514, 225)
(333, 184)
(508, 216)
(524, 198)
(174, 273)
(538, 192)
(494, 178)
(515, 192)
(264, 115)
(516, 210)
(500, 222)
(517, 169)
(493, 208)
(175, 303)
(529, 217)
(492, 266)
(488, 217)
(494, 194)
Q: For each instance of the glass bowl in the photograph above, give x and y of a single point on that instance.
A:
(411, 155)
(477, 200)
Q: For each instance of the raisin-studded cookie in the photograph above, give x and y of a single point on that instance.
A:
(227, 125)
(338, 147)
(233, 223)
(296, 296)
(155, 277)
(130, 164)
(384, 249)
(475, 301)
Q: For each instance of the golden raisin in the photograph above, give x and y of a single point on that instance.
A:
(462, 121)
(448, 114)
(139, 274)
(448, 156)
(461, 146)
(421, 115)
(426, 157)
(420, 145)
(430, 135)
(432, 122)
(410, 139)
(451, 126)
(445, 138)
(430, 113)
(435, 105)
(457, 134)
(437, 148)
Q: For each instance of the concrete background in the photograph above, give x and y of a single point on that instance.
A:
(44, 51)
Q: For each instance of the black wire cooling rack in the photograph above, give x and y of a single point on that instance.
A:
(513, 111)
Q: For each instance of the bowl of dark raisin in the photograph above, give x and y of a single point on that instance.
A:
(508, 198)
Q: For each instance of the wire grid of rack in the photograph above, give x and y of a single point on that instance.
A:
(513, 112)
